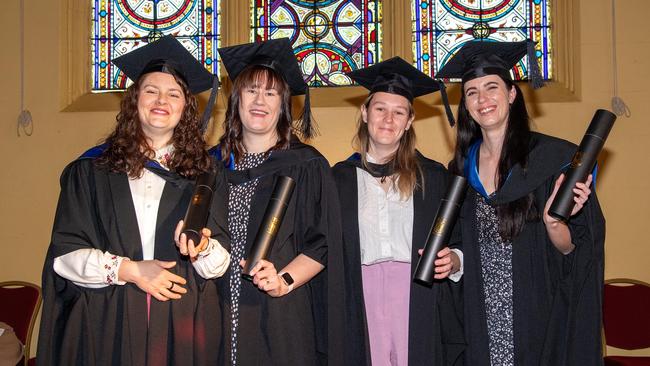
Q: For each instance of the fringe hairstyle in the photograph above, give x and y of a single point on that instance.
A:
(513, 215)
(129, 148)
(232, 139)
(404, 162)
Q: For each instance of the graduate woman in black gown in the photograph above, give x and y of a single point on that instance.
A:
(532, 284)
(389, 195)
(280, 318)
(116, 289)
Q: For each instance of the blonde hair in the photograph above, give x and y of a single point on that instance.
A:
(404, 162)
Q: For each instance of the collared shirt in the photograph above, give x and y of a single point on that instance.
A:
(385, 221)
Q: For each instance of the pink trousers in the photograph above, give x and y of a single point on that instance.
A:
(386, 291)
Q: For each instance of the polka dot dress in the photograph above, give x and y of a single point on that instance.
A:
(496, 267)
(239, 205)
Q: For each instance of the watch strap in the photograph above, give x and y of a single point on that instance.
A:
(288, 280)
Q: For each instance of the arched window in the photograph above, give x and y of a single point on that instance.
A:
(120, 26)
(441, 27)
(329, 37)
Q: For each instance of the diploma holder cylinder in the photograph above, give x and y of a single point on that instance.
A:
(196, 217)
(271, 222)
(582, 163)
(441, 230)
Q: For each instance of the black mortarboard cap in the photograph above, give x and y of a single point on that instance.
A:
(168, 53)
(277, 55)
(397, 76)
(480, 58)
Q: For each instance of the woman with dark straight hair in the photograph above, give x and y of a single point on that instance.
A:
(532, 284)
(116, 289)
(389, 194)
(280, 317)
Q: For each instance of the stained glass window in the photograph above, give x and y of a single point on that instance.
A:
(441, 27)
(121, 26)
(329, 37)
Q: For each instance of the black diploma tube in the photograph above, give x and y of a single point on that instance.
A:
(582, 163)
(441, 230)
(198, 211)
(271, 222)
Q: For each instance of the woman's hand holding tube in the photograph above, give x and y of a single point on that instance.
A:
(446, 264)
(557, 230)
(266, 278)
(153, 277)
(581, 191)
(188, 247)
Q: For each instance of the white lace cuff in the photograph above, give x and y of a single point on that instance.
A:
(213, 261)
(90, 268)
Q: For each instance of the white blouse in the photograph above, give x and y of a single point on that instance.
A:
(386, 223)
(94, 269)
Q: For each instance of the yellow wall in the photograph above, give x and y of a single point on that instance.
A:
(32, 165)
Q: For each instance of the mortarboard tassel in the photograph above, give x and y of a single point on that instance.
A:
(445, 101)
(307, 128)
(534, 74)
(208, 108)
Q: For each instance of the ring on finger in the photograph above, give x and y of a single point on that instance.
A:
(171, 287)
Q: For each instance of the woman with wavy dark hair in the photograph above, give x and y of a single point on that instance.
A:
(532, 283)
(389, 193)
(129, 147)
(117, 290)
(280, 318)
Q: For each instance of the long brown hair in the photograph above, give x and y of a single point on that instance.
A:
(232, 139)
(128, 149)
(404, 162)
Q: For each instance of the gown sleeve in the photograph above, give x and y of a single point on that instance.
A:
(317, 200)
(76, 222)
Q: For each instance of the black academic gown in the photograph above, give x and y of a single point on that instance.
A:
(557, 298)
(435, 334)
(108, 326)
(292, 329)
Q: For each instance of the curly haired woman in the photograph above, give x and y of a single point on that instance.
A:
(117, 290)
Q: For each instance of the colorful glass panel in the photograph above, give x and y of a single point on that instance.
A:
(121, 26)
(329, 37)
(441, 27)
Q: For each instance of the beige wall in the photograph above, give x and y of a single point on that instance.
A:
(32, 165)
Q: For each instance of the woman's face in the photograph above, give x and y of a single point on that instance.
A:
(160, 106)
(259, 108)
(488, 99)
(388, 117)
